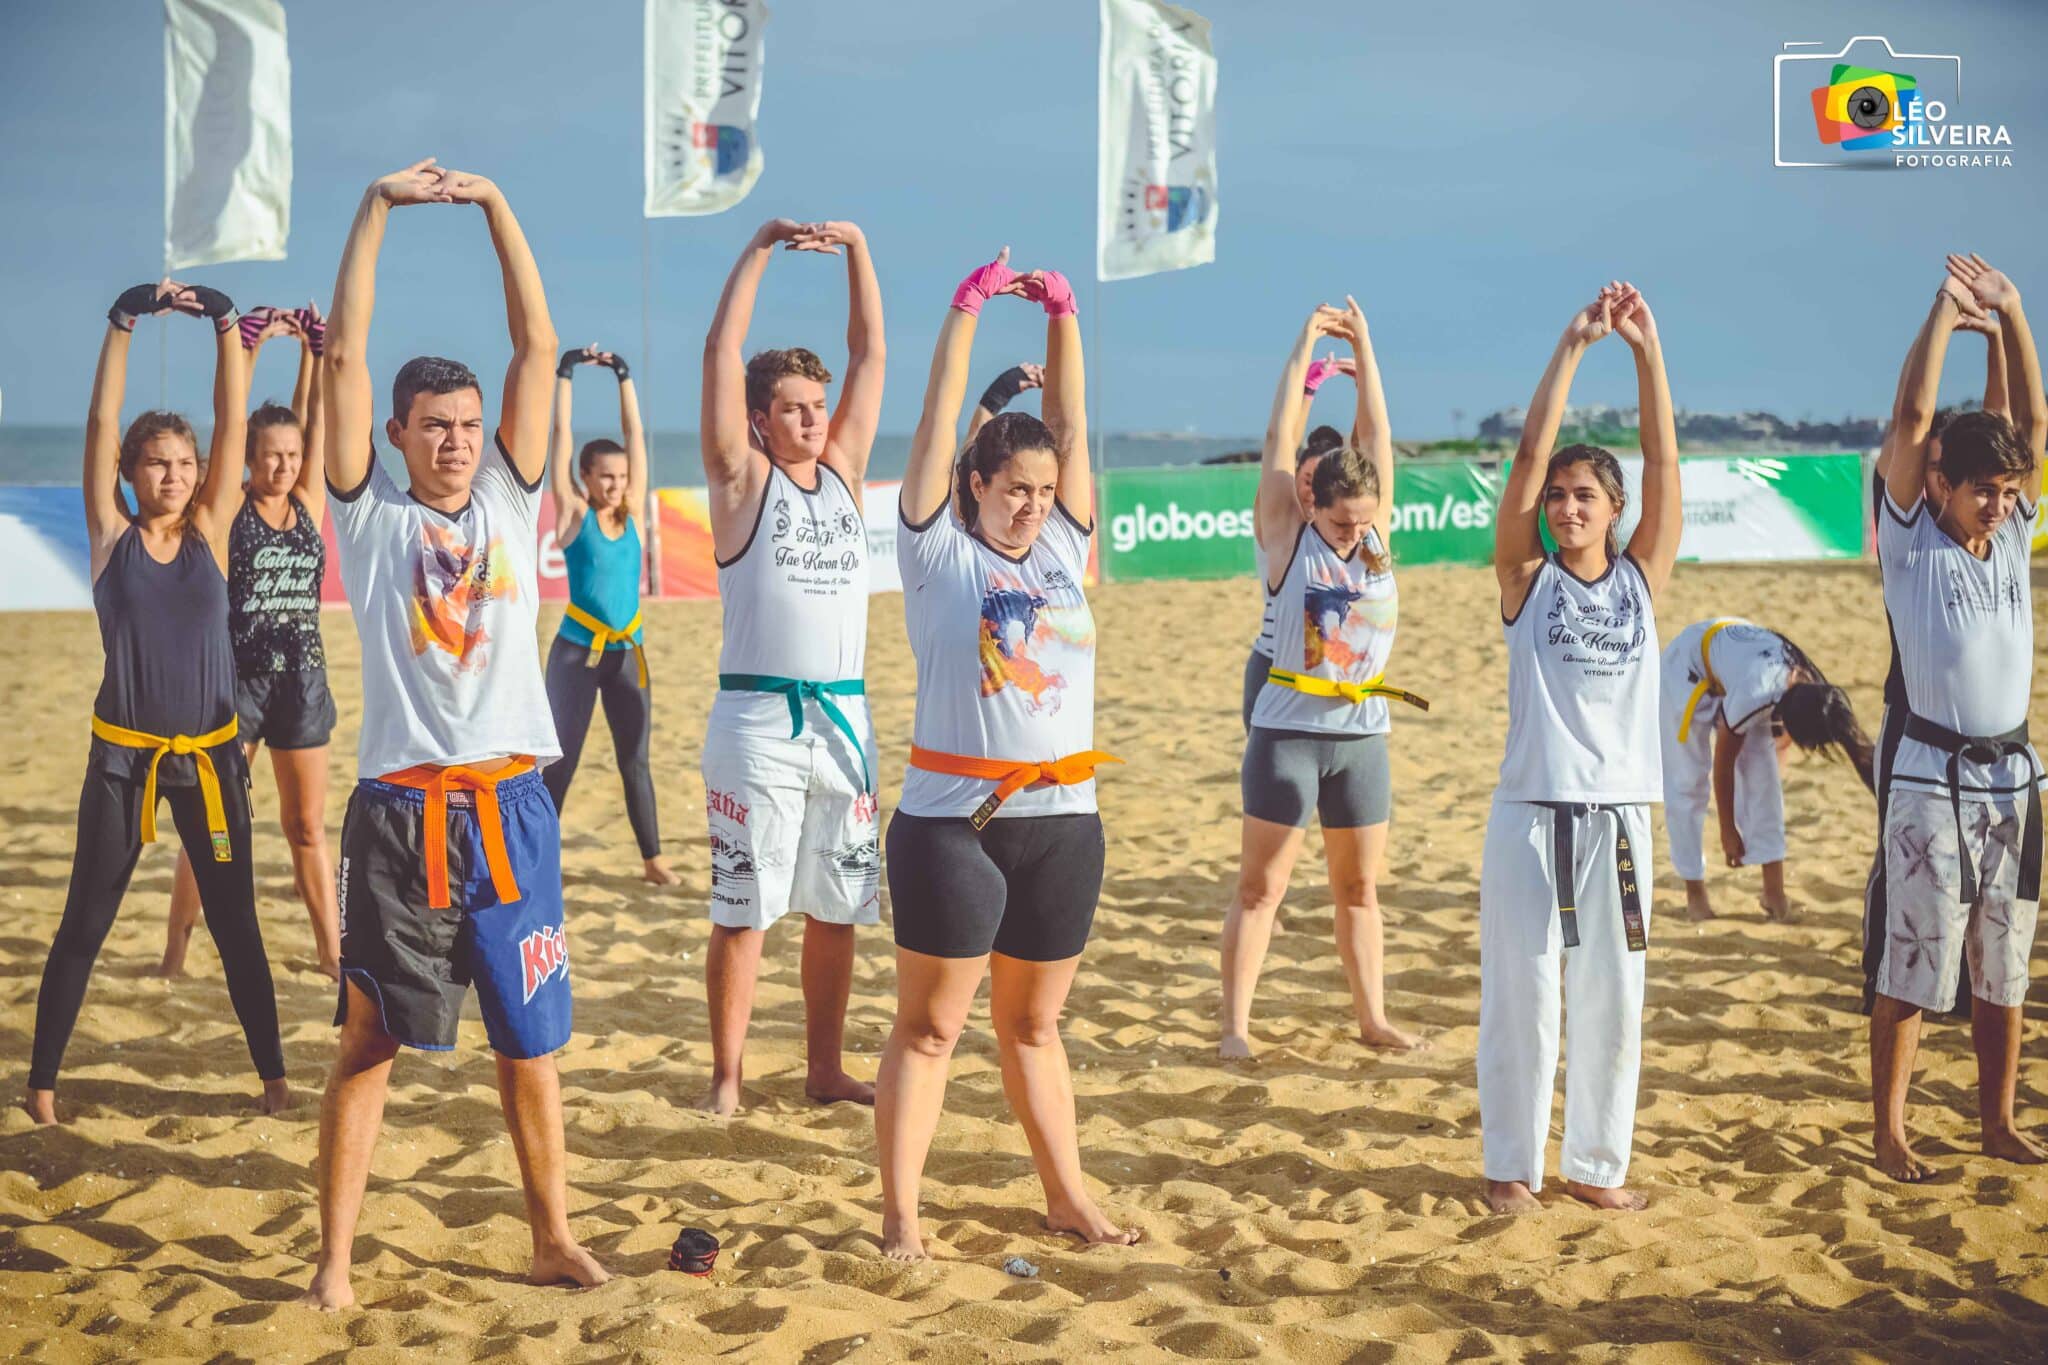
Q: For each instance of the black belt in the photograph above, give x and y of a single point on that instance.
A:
(1987, 749)
(1564, 819)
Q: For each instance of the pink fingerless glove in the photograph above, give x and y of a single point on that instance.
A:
(315, 328)
(1318, 371)
(982, 285)
(1052, 290)
(252, 324)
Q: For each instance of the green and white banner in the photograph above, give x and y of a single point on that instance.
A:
(1196, 521)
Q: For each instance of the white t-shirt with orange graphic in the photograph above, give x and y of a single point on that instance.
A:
(1005, 654)
(445, 606)
(1333, 617)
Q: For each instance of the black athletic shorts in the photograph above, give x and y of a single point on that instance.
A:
(1024, 887)
(292, 710)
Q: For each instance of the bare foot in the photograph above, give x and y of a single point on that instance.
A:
(172, 968)
(1618, 1197)
(1782, 912)
(1387, 1038)
(569, 1263)
(1090, 1224)
(329, 1292)
(723, 1098)
(2010, 1144)
(1511, 1196)
(1896, 1159)
(1697, 906)
(277, 1096)
(655, 872)
(900, 1239)
(41, 1106)
(1235, 1047)
(839, 1088)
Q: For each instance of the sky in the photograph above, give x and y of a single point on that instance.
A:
(1472, 172)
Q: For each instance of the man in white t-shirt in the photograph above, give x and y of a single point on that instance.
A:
(1962, 828)
(450, 851)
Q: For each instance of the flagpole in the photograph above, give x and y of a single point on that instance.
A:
(652, 567)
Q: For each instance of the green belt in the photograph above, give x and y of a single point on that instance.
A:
(796, 691)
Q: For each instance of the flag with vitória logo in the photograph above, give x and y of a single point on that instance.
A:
(704, 62)
(1156, 140)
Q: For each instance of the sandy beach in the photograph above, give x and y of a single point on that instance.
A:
(1319, 1204)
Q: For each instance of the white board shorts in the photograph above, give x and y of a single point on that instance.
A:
(793, 826)
(1929, 932)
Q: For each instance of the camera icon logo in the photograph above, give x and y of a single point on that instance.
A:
(1868, 97)
(1859, 106)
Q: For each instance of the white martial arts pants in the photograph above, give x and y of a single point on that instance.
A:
(1688, 788)
(1520, 947)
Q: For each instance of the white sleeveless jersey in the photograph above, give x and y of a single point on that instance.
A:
(1583, 690)
(1333, 617)
(1263, 564)
(795, 598)
(1750, 662)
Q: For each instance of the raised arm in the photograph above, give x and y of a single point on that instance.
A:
(851, 436)
(220, 493)
(345, 373)
(1996, 396)
(1000, 393)
(1276, 511)
(1066, 394)
(722, 430)
(1370, 430)
(1654, 546)
(1517, 539)
(569, 502)
(1905, 476)
(309, 401)
(1991, 290)
(928, 478)
(634, 437)
(106, 516)
(523, 419)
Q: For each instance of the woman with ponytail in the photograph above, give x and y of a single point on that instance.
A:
(1733, 696)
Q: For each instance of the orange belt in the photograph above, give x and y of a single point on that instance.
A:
(1009, 775)
(435, 781)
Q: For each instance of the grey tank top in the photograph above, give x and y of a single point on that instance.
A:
(170, 666)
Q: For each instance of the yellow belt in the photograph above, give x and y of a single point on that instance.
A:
(601, 636)
(209, 780)
(1310, 685)
(1709, 685)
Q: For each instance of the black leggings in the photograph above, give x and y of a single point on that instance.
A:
(573, 689)
(109, 842)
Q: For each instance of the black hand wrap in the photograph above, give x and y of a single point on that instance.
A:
(618, 364)
(136, 301)
(565, 368)
(1005, 387)
(215, 305)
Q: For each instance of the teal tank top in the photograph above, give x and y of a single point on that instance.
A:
(604, 578)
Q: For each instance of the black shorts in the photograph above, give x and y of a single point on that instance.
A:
(1024, 887)
(292, 710)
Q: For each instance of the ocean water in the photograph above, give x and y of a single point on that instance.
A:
(39, 454)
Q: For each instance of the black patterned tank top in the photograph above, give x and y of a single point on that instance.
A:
(274, 592)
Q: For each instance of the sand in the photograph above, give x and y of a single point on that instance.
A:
(1320, 1204)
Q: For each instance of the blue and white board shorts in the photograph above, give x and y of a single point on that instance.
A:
(417, 962)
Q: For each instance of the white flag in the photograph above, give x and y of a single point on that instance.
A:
(1156, 160)
(703, 92)
(227, 132)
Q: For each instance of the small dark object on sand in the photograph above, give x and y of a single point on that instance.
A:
(694, 1253)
